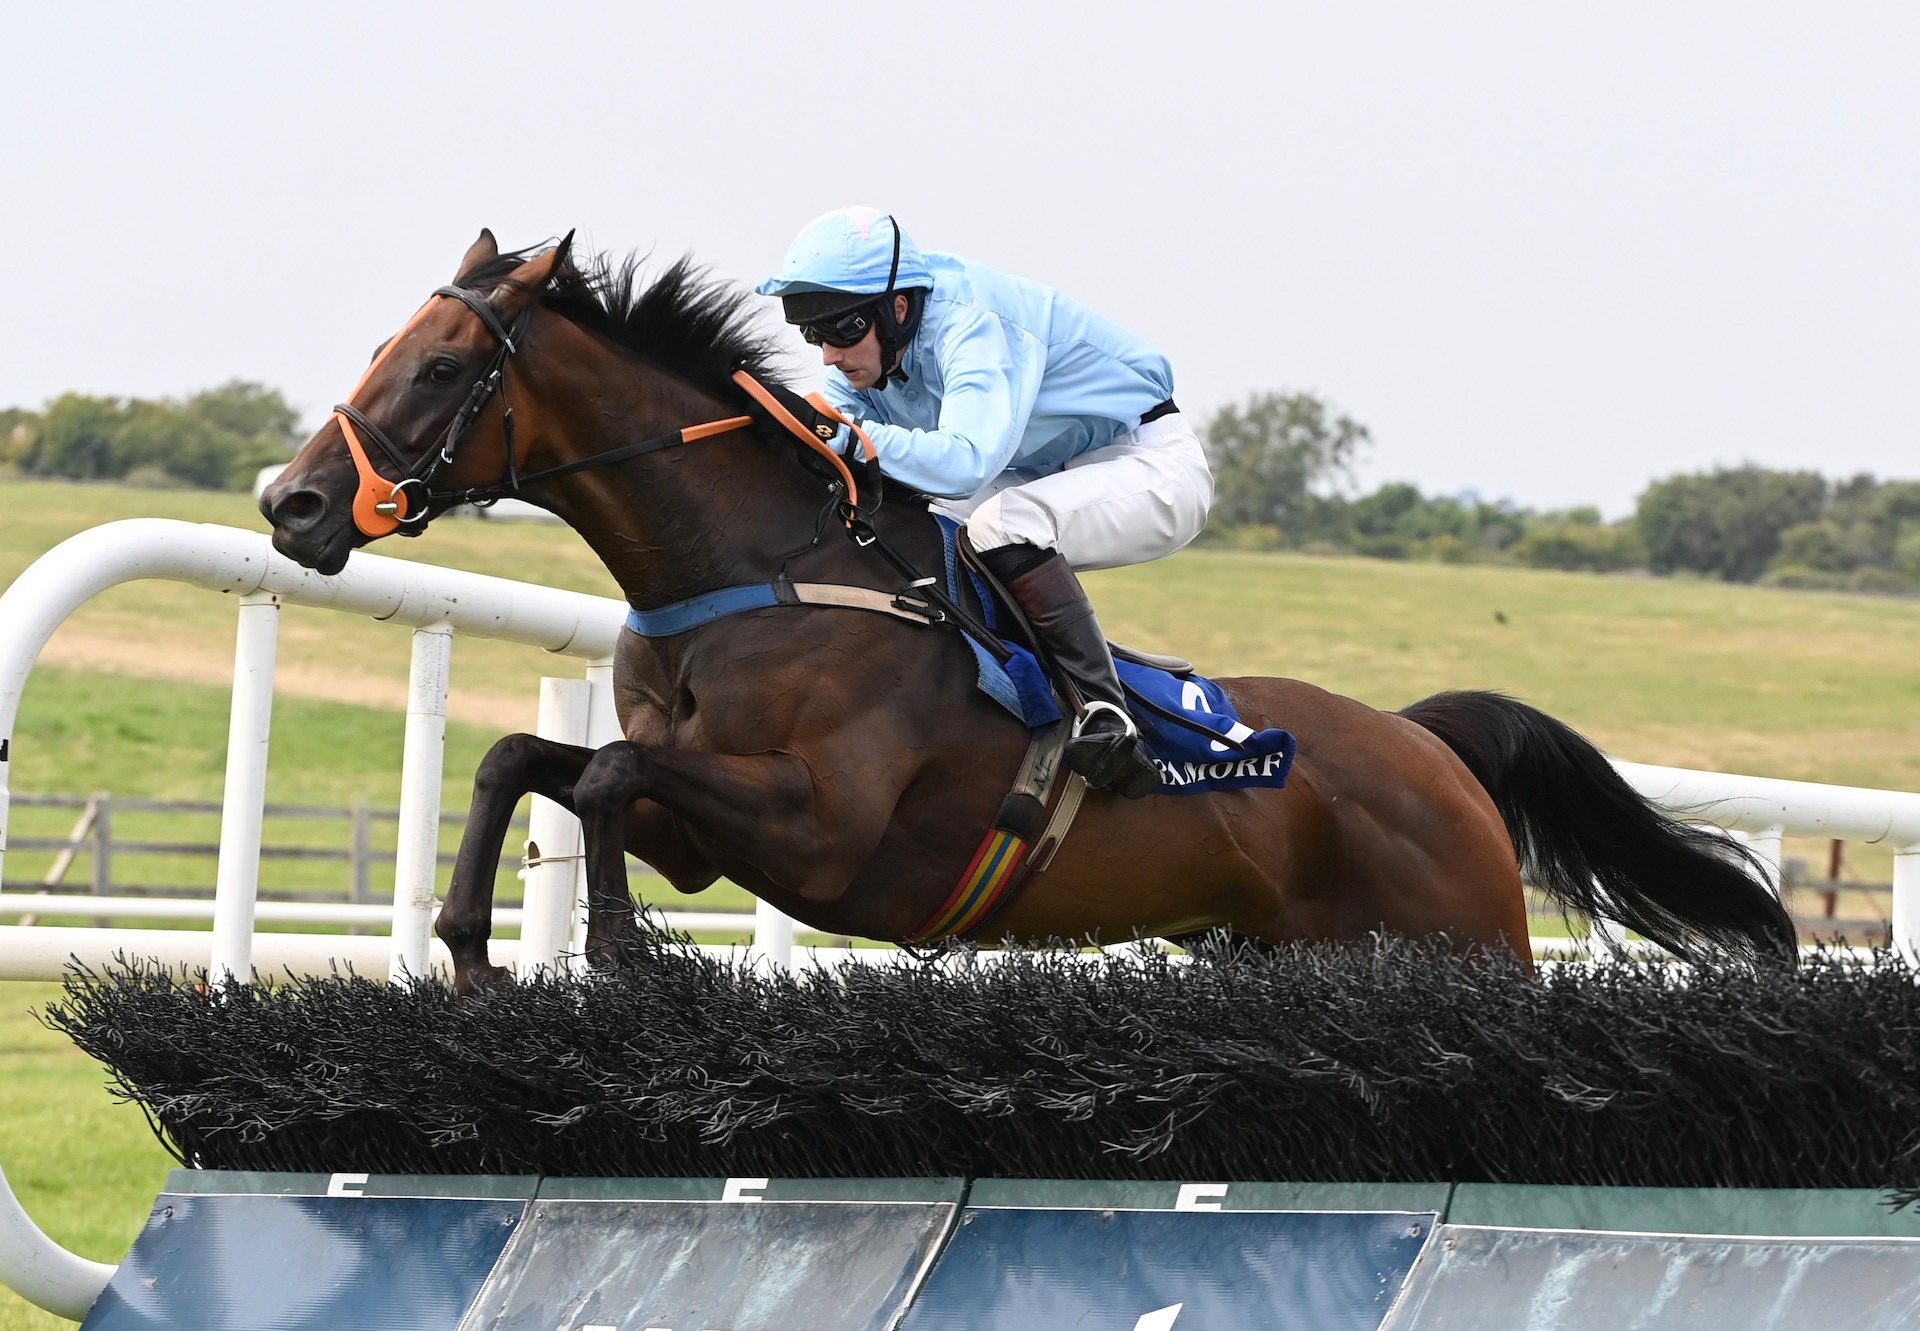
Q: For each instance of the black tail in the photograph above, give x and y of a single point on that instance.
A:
(1593, 843)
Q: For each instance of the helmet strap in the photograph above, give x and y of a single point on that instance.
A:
(894, 333)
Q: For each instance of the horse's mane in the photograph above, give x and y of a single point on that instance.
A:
(690, 324)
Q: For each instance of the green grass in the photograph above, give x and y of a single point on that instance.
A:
(1814, 686)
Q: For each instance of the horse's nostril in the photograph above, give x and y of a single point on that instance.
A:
(301, 508)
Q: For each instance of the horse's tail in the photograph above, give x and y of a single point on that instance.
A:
(1591, 841)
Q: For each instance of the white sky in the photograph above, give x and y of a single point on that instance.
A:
(1544, 251)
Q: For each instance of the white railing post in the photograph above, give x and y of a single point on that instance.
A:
(417, 859)
(1906, 902)
(1766, 844)
(772, 937)
(250, 721)
(546, 928)
(603, 728)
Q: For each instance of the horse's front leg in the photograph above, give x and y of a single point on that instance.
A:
(515, 767)
(762, 808)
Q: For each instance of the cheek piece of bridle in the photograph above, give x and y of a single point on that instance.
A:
(382, 507)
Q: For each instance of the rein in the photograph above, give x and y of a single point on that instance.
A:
(382, 507)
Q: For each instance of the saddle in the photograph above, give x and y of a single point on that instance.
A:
(1173, 665)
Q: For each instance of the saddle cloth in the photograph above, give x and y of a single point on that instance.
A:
(1207, 748)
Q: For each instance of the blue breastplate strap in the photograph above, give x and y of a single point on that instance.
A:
(682, 616)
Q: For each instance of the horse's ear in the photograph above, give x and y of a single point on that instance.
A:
(483, 250)
(535, 273)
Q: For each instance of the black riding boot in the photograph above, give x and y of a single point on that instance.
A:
(1105, 747)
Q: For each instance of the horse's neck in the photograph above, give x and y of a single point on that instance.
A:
(690, 518)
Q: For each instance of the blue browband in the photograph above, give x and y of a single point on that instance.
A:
(691, 614)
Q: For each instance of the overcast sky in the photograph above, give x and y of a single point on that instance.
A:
(1544, 251)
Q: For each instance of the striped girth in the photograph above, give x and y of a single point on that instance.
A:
(1033, 821)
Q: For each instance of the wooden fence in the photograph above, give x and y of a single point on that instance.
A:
(1825, 907)
(94, 843)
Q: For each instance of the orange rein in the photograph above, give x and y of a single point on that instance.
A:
(771, 405)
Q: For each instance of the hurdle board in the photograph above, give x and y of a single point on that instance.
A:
(266, 1252)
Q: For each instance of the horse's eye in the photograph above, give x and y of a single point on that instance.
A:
(443, 370)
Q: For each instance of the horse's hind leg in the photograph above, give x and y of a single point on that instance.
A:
(515, 767)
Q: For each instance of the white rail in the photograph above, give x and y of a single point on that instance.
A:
(436, 602)
(336, 914)
(1769, 809)
(40, 1270)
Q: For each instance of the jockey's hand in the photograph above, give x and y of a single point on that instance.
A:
(813, 420)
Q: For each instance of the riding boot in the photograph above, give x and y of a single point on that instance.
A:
(1105, 747)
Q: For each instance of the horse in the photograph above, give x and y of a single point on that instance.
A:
(842, 764)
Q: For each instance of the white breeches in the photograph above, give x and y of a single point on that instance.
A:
(1143, 496)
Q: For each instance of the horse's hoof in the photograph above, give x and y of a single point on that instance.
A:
(476, 979)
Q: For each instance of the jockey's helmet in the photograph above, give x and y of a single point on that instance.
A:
(840, 274)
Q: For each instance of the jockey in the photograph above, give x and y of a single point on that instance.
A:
(1049, 431)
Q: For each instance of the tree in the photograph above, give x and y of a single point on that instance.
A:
(1274, 455)
(76, 437)
(192, 450)
(1727, 522)
(220, 437)
(19, 435)
(1388, 522)
(1826, 547)
(1563, 542)
(248, 410)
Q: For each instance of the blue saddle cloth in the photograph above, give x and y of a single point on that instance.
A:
(1214, 750)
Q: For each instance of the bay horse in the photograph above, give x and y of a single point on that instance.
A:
(842, 764)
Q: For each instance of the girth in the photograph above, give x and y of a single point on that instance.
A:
(685, 616)
(1033, 820)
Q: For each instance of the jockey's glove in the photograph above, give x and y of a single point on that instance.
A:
(810, 418)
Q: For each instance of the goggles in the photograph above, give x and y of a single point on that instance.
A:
(842, 330)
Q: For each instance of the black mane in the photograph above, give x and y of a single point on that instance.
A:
(693, 326)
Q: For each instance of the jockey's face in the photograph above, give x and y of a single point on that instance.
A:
(861, 361)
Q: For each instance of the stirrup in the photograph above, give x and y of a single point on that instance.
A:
(1128, 729)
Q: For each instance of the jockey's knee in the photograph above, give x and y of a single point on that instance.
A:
(1013, 518)
(1140, 499)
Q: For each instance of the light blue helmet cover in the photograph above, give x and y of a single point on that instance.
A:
(849, 249)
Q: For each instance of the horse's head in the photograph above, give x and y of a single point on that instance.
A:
(422, 422)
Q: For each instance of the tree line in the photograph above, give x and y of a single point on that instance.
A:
(215, 440)
(1283, 466)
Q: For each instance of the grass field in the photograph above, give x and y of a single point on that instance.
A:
(1806, 685)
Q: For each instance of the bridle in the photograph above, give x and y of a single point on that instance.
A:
(382, 507)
